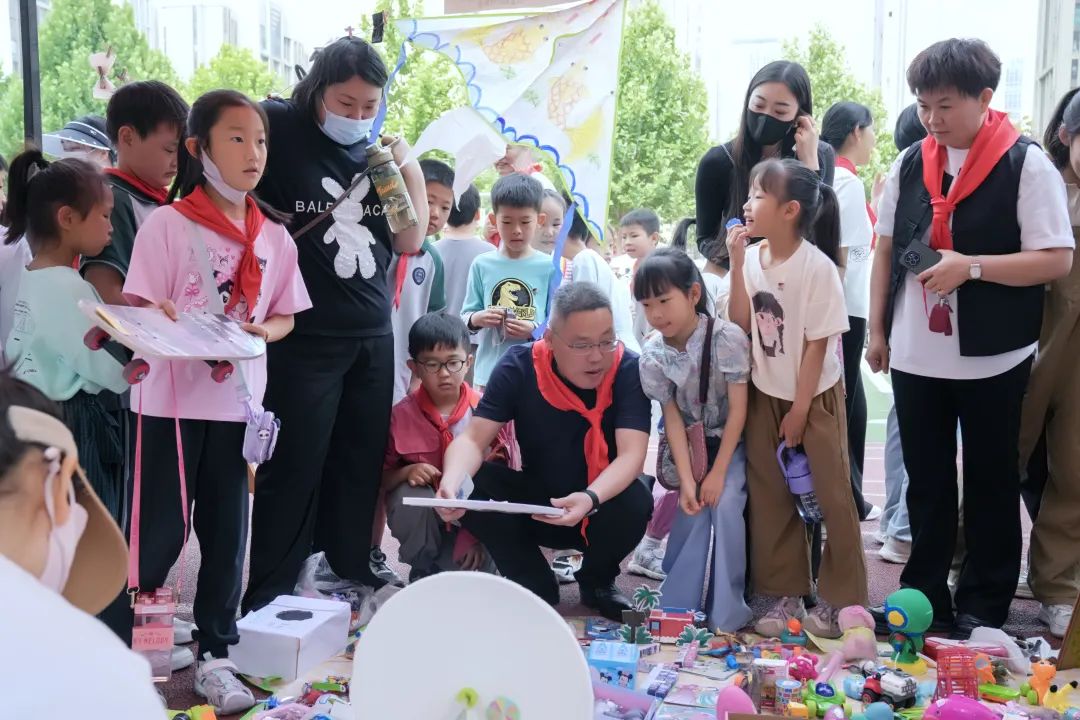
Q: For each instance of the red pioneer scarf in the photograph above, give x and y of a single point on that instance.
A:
(559, 396)
(158, 195)
(199, 208)
(843, 162)
(994, 139)
(467, 400)
(400, 275)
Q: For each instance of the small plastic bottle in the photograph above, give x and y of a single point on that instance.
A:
(385, 176)
(796, 468)
(152, 634)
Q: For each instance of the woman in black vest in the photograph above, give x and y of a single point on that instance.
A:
(956, 304)
(331, 381)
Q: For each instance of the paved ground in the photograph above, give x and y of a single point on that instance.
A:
(883, 577)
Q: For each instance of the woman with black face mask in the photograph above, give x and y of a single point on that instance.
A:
(777, 122)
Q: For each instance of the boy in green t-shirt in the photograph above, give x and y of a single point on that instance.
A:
(508, 290)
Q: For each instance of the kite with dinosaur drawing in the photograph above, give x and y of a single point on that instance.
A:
(548, 80)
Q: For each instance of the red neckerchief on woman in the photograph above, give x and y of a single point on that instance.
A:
(158, 195)
(559, 396)
(993, 140)
(199, 208)
(843, 162)
(401, 274)
(467, 400)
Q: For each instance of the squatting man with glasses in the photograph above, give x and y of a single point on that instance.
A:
(582, 422)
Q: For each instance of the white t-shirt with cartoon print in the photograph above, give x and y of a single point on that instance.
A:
(791, 303)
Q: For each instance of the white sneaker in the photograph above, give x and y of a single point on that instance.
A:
(648, 559)
(183, 631)
(895, 551)
(1057, 617)
(182, 658)
(880, 537)
(565, 564)
(874, 514)
(216, 680)
(1023, 589)
(775, 621)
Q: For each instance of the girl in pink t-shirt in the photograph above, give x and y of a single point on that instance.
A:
(786, 292)
(215, 250)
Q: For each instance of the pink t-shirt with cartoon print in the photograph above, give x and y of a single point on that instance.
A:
(164, 267)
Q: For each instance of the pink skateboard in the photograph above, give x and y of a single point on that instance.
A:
(148, 334)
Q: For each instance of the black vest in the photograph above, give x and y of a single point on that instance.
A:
(992, 318)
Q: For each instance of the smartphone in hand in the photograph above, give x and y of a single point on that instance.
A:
(919, 257)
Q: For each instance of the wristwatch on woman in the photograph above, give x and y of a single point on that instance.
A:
(975, 270)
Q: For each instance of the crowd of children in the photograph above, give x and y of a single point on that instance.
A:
(750, 356)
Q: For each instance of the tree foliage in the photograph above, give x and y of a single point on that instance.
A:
(832, 82)
(72, 31)
(236, 69)
(661, 121)
(427, 85)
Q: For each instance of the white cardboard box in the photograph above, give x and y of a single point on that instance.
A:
(290, 636)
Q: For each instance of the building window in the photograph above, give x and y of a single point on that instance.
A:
(275, 31)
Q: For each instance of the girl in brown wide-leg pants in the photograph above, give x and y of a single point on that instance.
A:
(786, 292)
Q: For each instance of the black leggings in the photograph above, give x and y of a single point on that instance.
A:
(217, 486)
(318, 492)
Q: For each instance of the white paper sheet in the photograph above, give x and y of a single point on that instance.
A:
(486, 506)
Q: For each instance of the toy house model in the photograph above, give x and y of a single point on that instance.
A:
(665, 624)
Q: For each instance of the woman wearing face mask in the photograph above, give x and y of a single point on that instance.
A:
(777, 123)
(62, 558)
(332, 381)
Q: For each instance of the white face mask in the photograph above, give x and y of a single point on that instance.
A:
(213, 176)
(343, 130)
(63, 539)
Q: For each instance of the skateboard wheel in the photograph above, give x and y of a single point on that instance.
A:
(221, 372)
(95, 338)
(136, 371)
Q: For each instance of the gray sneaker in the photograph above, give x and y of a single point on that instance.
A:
(648, 559)
(217, 681)
(379, 568)
(775, 621)
(822, 621)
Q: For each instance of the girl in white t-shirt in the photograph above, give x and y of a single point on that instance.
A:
(215, 250)
(786, 292)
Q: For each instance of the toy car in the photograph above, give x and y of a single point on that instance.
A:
(894, 687)
(820, 697)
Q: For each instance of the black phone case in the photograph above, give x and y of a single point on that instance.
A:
(919, 257)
